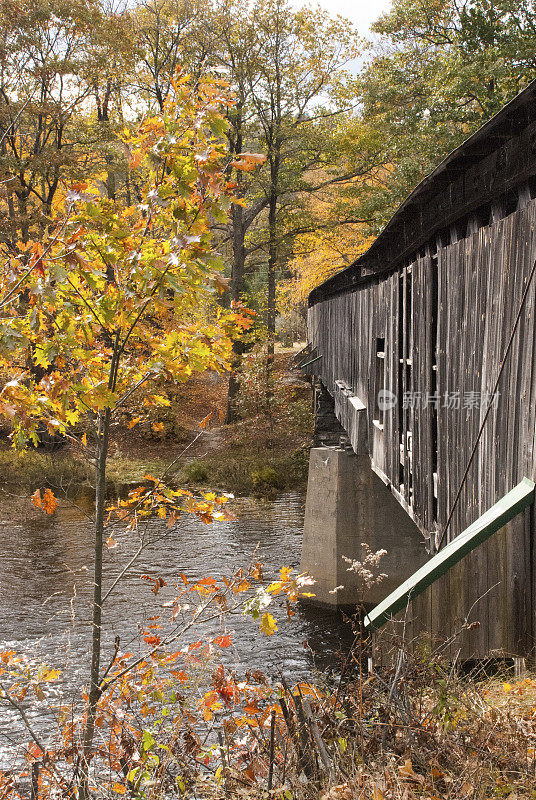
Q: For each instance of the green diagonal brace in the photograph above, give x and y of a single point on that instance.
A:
(495, 518)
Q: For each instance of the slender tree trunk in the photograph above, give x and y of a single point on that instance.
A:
(237, 277)
(272, 270)
(95, 690)
(271, 294)
(96, 622)
(275, 164)
(23, 213)
(237, 282)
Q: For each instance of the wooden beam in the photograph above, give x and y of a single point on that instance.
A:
(495, 518)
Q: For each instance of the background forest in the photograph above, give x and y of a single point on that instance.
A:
(348, 126)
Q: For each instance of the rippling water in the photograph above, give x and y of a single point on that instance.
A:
(45, 587)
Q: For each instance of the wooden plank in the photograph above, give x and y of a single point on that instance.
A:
(498, 515)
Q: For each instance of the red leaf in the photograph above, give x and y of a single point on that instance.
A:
(223, 641)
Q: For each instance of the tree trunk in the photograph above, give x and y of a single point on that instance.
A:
(237, 283)
(95, 690)
(96, 622)
(237, 277)
(272, 269)
(271, 290)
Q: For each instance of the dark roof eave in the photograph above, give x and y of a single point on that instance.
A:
(352, 274)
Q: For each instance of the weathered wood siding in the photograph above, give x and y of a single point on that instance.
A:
(444, 320)
(443, 334)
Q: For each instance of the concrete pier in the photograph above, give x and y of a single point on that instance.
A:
(347, 504)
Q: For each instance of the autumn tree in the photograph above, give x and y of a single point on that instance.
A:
(166, 34)
(108, 72)
(44, 136)
(321, 252)
(437, 71)
(107, 302)
(288, 71)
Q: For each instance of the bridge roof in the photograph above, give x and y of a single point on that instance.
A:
(497, 157)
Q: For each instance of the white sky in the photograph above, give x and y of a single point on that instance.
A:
(361, 12)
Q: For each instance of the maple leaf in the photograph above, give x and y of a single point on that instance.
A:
(36, 499)
(247, 162)
(221, 283)
(223, 641)
(152, 639)
(47, 502)
(50, 503)
(268, 624)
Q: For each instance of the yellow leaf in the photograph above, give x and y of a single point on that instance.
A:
(268, 624)
(133, 422)
(84, 439)
(118, 788)
(507, 687)
(158, 427)
(72, 417)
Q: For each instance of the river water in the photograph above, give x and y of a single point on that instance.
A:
(45, 587)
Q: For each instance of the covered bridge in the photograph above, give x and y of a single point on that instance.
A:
(425, 349)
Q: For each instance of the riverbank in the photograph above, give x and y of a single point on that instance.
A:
(417, 728)
(263, 453)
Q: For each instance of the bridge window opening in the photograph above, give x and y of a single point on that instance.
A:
(379, 381)
(443, 238)
(458, 231)
(509, 202)
(497, 211)
(405, 384)
(523, 195)
(483, 215)
(408, 352)
(434, 317)
(400, 381)
(473, 224)
(532, 187)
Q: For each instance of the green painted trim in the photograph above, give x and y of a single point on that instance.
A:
(308, 364)
(495, 518)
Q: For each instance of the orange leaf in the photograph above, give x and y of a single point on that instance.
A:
(50, 503)
(223, 641)
(248, 161)
(47, 502)
(36, 499)
(407, 772)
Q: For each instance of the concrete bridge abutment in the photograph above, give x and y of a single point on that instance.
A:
(347, 506)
